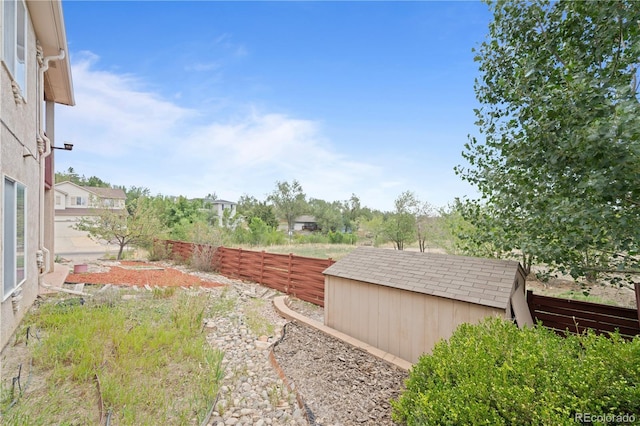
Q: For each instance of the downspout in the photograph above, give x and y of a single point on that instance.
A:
(43, 254)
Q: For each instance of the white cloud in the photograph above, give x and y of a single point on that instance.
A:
(114, 115)
(202, 66)
(128, 135)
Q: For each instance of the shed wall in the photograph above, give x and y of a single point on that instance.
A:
(401, 322)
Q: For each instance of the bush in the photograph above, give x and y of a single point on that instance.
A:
(159, 250)
(494, 373)
(341, 238)
(313, 238)
(202, 257)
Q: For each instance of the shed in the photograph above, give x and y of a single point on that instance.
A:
(404, 302)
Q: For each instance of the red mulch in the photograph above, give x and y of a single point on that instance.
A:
(167, 277)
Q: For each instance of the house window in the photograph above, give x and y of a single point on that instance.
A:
(14, 236)
(78, 201)
(14, 52)
(58, 200)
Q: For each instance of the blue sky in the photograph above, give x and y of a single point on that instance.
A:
(191, 98)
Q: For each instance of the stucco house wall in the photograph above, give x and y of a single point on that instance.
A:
(22, 156)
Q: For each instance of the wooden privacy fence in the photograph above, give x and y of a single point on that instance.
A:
(298, 276)
(576, 316)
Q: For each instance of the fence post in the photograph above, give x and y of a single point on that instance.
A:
(532, 309)
(238, 265)
(289, 274)
(637, 288)
(262, 267)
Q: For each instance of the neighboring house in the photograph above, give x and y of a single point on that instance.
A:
(405, 302)
(34, 76)
(222, 209)
(305, 223)
(300, 223)
(72, 203)
(69, 196)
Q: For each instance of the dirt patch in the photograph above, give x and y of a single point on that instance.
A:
(597, 293)
(338, 383)
(141, 274)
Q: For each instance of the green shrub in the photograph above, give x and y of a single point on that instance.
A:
(313, 238)
(493, 373)
(341, 238)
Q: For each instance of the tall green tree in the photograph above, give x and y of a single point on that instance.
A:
(249, 207)
(289, 201)
(352, 211)
(328, 215)
(559, 158)
(400, 225)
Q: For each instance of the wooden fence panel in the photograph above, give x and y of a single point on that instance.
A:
(576, 315)
(298, 276)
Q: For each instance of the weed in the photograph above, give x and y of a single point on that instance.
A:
(276, 394)
(163, 292)
(203, 256)
(153, 363)
(256, 322)
(223, 304)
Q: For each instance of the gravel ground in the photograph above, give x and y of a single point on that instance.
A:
(339, 384)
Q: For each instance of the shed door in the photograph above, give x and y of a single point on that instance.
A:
(520, 308)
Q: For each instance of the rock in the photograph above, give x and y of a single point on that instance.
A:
(262, 345)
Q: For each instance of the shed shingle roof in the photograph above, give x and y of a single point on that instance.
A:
(481, 281)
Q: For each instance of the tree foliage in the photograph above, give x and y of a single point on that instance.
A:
(559, 158)
(117, 226)
(289, 201)
(70, 175)
(400, 225)
(328, 215)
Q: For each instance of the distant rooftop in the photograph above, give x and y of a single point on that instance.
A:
(106, 192)
(481, 281)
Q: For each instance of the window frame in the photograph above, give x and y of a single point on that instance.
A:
(15, 44)
(14, 239)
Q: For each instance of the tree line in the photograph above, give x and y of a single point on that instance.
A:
(265, 222)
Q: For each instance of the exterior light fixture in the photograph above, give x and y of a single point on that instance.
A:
(67, 147)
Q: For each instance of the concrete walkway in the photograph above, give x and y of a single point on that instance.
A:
(54, 278)
(281, 306)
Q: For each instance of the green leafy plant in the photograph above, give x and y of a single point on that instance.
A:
(558, 157)
(494, 373)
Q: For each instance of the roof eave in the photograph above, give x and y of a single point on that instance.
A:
(48, 23)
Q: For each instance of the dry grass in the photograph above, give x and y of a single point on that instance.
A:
(148, 354)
